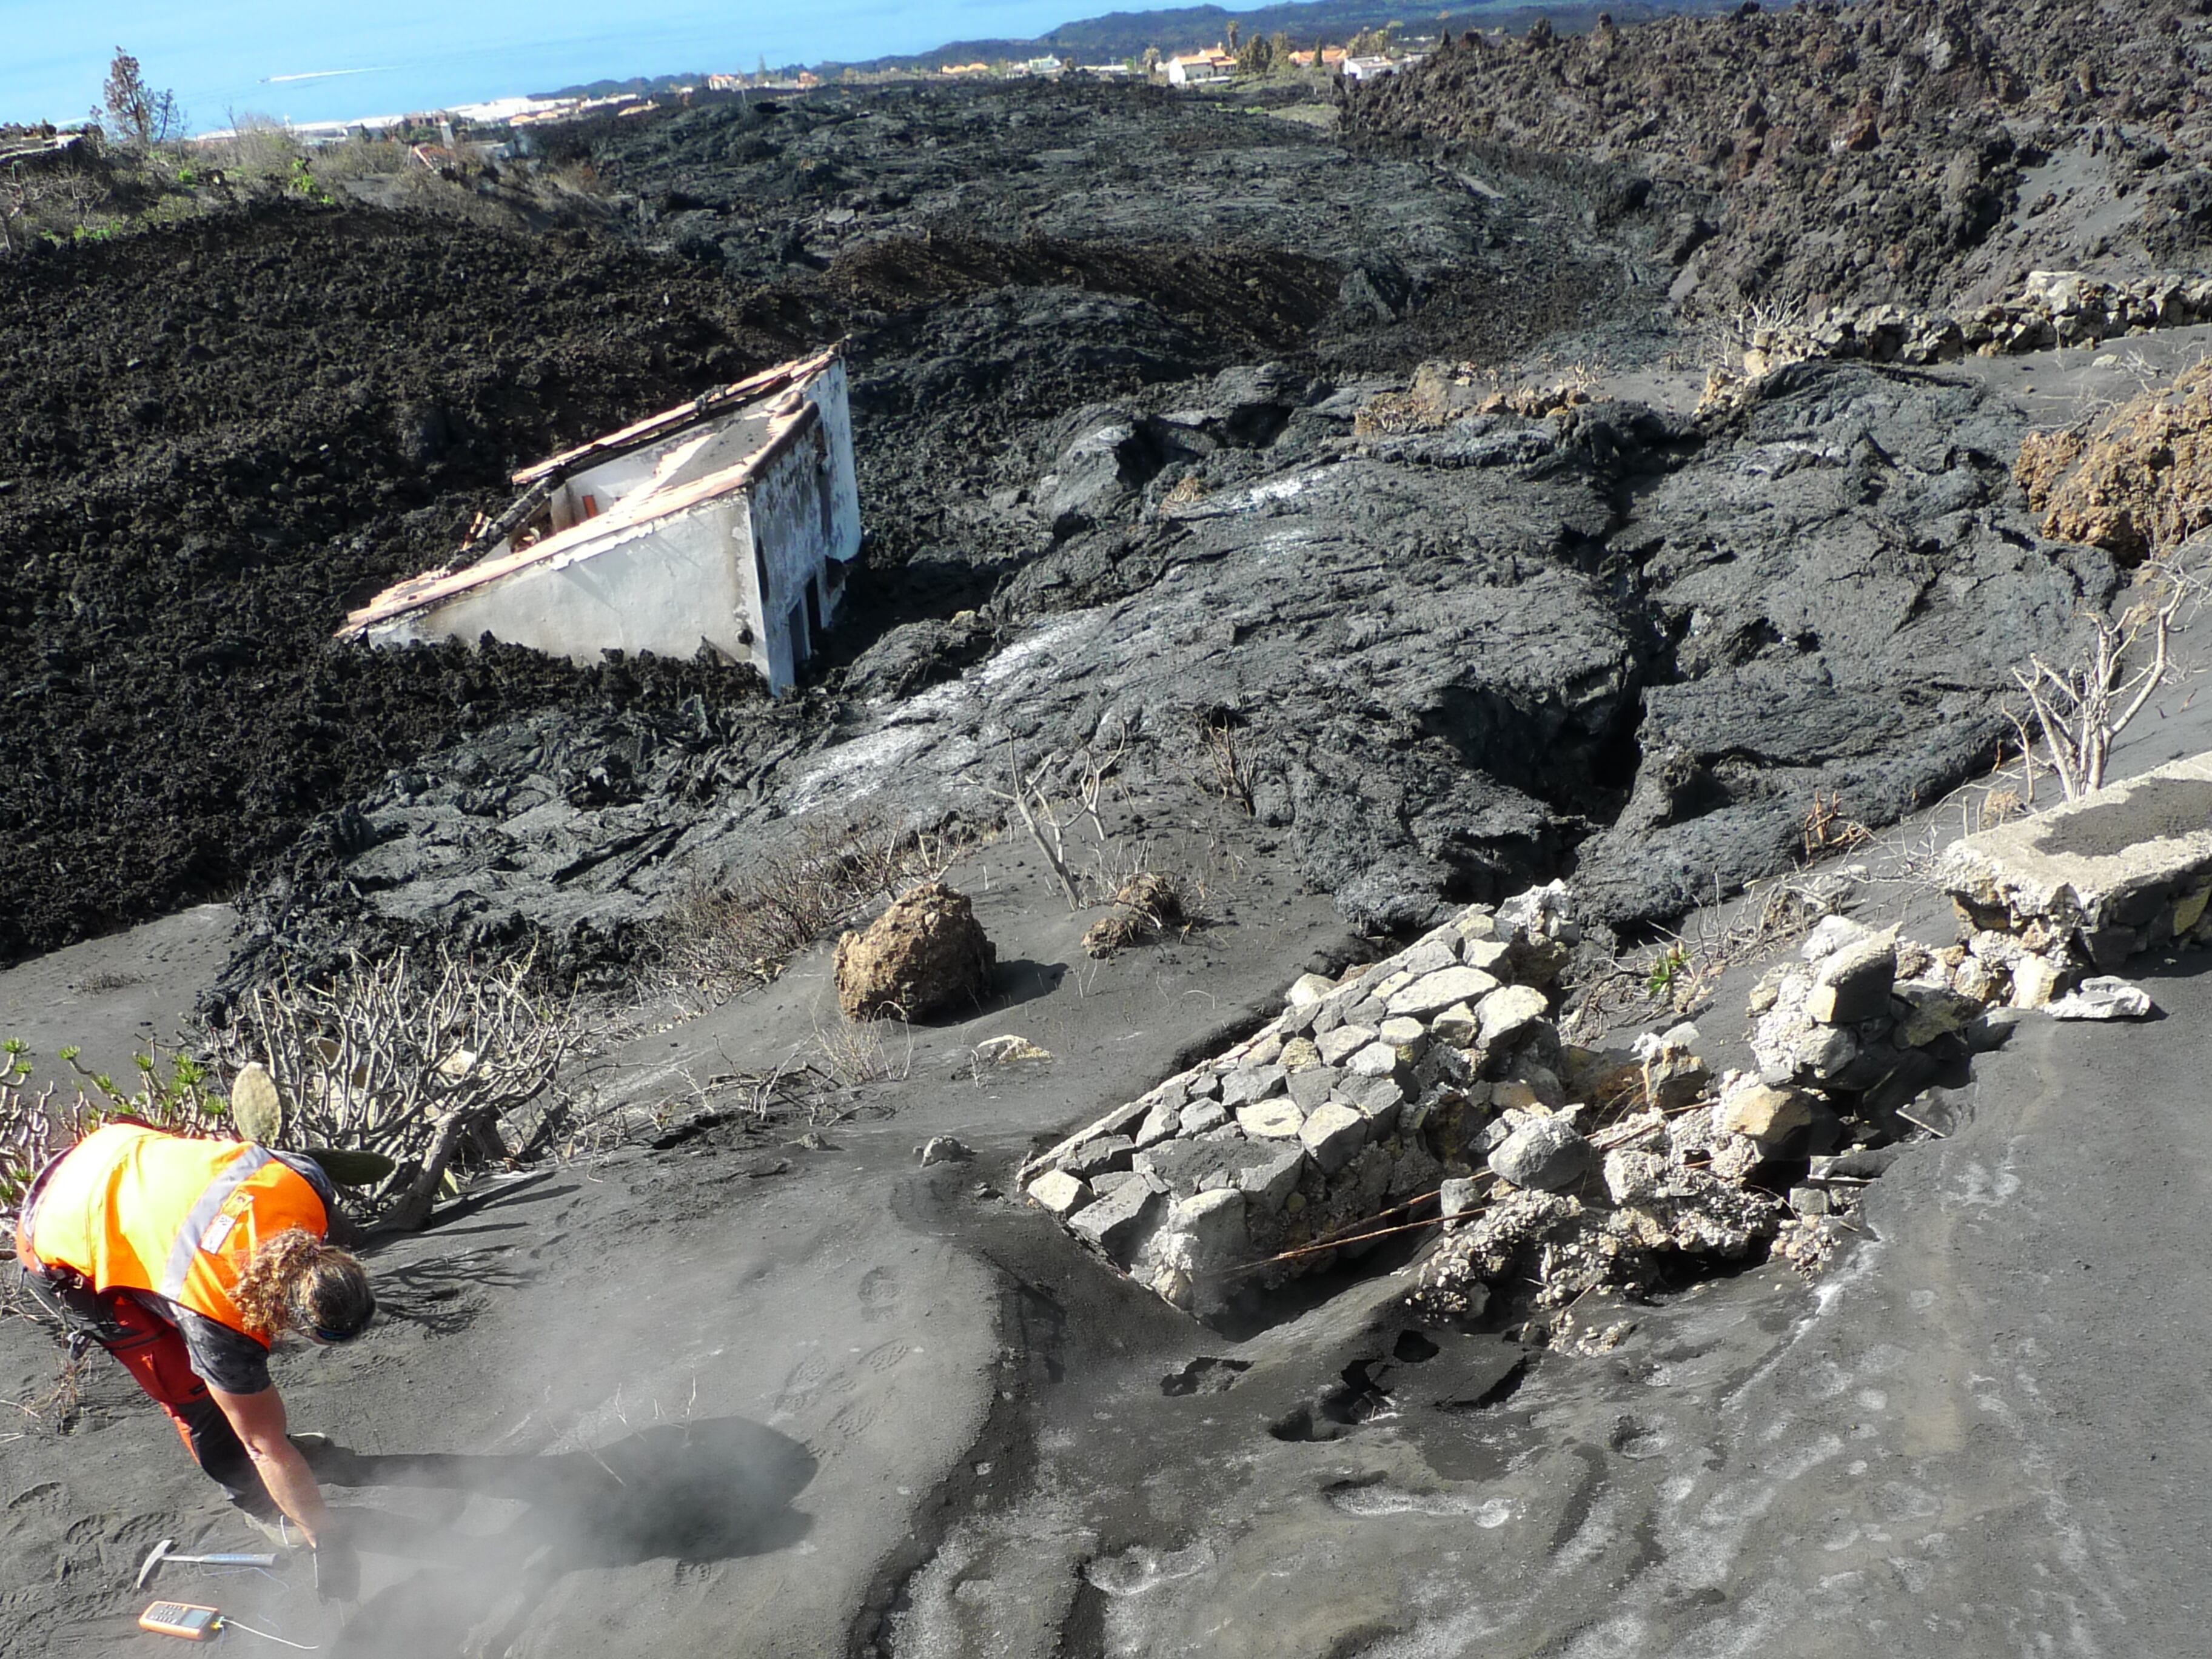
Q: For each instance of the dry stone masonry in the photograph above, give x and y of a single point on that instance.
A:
(1361, 1100)
(1432, 1090)
(2053, 308)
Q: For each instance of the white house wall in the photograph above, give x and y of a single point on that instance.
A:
(796, 530)
(827, 392)
(661, 588)
(729, 570)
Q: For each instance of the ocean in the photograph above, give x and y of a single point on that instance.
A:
(226, 60)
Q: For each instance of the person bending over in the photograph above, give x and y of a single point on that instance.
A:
(186, 1259)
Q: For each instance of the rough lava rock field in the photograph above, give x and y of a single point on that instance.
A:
(1341, 478)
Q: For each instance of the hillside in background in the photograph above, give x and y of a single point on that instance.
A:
(1121, 35)
(1877, 152)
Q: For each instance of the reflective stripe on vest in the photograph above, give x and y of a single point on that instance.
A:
(133, 1208)
(202, 1216)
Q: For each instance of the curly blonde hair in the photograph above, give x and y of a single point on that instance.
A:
(295, 1281)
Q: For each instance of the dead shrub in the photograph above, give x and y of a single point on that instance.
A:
(425, 1062)
(2080, 707)
(723, 937)
(1827, 831)
(1225, 771)
(854, 1054)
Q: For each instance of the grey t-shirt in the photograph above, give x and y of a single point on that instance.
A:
(222, 1358)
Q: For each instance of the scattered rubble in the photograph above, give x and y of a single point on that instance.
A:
(1431, 1086)
(2103, 997)
(926, 952)
(1432, 1090)
(1007, 1050)
(1147, 905)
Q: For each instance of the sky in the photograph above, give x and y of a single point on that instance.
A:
(311, 60)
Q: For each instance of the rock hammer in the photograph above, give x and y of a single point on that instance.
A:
(164, 1552)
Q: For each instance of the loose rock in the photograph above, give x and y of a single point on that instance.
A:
(1059, 1192)
(926, 953)
(1544, 1155)
(2103, 998)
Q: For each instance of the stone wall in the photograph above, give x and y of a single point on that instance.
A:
(1359, 1102)
(1430, 1097)
(2054, 308)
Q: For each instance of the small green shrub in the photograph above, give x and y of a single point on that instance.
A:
(303, 180)
(1667, 971)
(38, 1124)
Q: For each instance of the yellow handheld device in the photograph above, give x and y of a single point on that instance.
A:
(181, 1618)
(199, 1624)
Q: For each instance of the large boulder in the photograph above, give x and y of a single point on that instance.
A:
(925, 953)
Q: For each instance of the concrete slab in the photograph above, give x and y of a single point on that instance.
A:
(2130, 859)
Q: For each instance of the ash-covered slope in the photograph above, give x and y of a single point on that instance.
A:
(1861, 154)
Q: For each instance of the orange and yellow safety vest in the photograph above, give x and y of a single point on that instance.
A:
(136, 1209)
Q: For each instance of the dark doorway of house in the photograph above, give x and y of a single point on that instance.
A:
(802, 643)
(813, 614)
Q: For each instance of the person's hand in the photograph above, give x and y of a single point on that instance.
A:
(337, 1568)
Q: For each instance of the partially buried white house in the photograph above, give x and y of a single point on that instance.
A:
(728, 522)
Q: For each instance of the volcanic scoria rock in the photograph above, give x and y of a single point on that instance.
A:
(926, 952)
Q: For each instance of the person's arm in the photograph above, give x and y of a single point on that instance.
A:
(259, 1421)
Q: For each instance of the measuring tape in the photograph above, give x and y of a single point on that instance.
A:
(199, 1624)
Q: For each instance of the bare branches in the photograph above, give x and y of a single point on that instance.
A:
(1086, 773)
(1231, 777)
(417, 1061)
(2080, 708)
(725, 937)
(1028, 798)
(1827, 831)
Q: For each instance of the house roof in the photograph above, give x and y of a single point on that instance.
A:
(653, 428)
(791, 414)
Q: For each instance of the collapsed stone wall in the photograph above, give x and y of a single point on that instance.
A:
(1260, 1165)
(1432, 1090)
(2054, 308)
